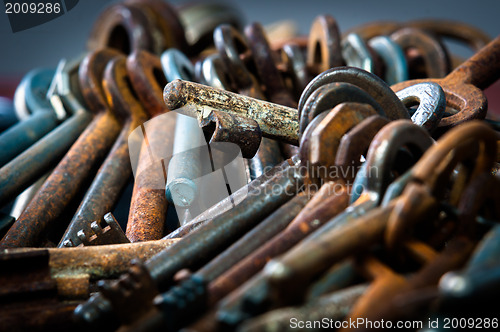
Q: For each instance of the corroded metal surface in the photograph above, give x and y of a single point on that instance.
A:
(148, 80)
(124, 28)
(148, 206)
(431, 50)
(323, 45)
(195, 249)
(275, 121)
(370, 83)
(244, 76)
(463, 85)
(115, 171)
(236, 198)
(326, 204)
(354, 143)
(236, 129)
(100, 262)
(65, 181)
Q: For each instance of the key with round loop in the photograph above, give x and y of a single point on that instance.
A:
(30, 165)
(323, 45)
(427, 48)
(59, 188)
(230, 44)
(463, 85)
(43, 119)
(393, 57)
(115, 171)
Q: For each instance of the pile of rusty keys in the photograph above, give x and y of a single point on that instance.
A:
(368, 191)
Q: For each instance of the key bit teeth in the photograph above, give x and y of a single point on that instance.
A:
(81, 235)
(96, 228)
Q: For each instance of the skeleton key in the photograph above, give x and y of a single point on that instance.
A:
(115, 171)
(427, 48)
(267, 70)
(335, 197)
(463, 85)
(21, 136)
(323, 45)
(456, 250)
(399, 133)
(315, 214)
(230, 43)
(393, 57)
(30, 165)
(194, 302)
(94, 142)
(209, 239)
(149, 204)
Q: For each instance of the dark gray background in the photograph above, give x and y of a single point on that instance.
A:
(65, 36)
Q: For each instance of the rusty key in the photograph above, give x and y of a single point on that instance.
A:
(427, 48)
(373, 85)
(148, 207)
(125, 28)
(267, 70)
(63, 184)
(197, 247)
(180, 304)
(25, 133)
(323, 45)
(328, 202)
(196, 100)
(255, 294)
(30, 165)
(115, 170)
(230, 43)
(463, 85)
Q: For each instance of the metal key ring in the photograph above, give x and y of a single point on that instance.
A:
(230, 44)
(148, 80)
(170, 29)
(434, 53)
(122, 27)
(210, 71)
(460, 31)
(328, 96)
(463, 85)
(323, 45)
(372, 84)
(266, 66)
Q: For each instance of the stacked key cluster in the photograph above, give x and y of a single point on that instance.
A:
(272, 182)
